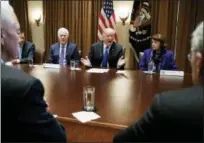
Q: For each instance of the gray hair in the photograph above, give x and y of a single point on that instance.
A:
(8, 17)
(197, 39)
(60, 30)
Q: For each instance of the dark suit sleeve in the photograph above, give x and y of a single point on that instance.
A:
(31, 55)
(91, 54)
(121, 53)
(142, 62)
(145, 129)
(172, 63)
(38, 124)
(51, 59)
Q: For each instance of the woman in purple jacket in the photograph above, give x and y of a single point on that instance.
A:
(158, 56)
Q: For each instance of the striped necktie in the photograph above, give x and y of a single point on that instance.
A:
(61, 57)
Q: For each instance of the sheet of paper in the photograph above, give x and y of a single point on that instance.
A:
(120, 72)
(148, 72)
(56, 66)
(76, 69)
(55, 116)
(8, 64)
(95, 70)
(84, 116)
(171, 73)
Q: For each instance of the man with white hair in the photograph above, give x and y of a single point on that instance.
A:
(175, 116)
(63, 51)
(106, 53)
(24, 115)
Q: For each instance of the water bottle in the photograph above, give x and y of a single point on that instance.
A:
(151, 67)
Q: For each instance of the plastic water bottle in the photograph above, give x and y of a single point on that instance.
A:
(151, 67)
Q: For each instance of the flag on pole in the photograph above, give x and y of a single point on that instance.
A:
(106, 18)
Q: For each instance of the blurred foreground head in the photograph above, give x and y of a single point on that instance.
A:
(197, 53)
(9, 32)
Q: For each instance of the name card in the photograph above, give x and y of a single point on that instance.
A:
(95, 70)
(56, 66)
(171, 73)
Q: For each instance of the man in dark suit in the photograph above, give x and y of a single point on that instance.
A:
(63, 52)
(24, 115)
(105, 54)
(26, 50)
(174, 115)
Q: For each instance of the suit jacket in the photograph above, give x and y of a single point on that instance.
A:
(173, 116)
(96, 54)
(28, 52)
(24, 115)
(167, 60)
(71, 53)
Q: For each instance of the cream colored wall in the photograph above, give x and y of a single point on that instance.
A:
(35, 7)
(120, 8)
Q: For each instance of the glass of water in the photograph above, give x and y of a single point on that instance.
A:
(89, 98)
(150, 67)
(72, 64)
(30, 63)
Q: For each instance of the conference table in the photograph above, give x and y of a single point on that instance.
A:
(121, 99)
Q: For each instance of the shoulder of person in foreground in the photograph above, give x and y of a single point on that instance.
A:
(180, 111)
(36, 123)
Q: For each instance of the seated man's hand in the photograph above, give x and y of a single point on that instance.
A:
(15, 61)
(121, 62)
(86, 61)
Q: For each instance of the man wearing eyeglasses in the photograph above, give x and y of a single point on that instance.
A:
(178, 115)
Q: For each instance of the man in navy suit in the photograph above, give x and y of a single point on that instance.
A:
(63, 51)
(26, 50)
(25, 117)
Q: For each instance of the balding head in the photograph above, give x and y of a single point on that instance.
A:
(63, 35)
(197, 53)
(9, 36)
(108, 36)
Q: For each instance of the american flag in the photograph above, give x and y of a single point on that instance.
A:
(106, 18)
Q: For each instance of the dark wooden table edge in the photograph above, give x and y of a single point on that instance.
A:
(93, 123)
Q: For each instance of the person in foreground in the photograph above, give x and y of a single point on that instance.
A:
(24, 115)
(26, 50)
(174, 115)
(106, 53)
(63, 51)
(158, 55)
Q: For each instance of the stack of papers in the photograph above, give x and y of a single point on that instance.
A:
(120, 72)
(171, 73)
(76, 69)
(84, 116)
(8, 64)
(56, 66)
(95, 70)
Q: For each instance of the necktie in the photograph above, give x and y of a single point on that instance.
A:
(105, 59)
(62, 58)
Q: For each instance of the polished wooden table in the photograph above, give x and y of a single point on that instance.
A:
(120, 99)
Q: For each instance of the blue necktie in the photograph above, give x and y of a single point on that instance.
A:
(105, 59)
(61, 58)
